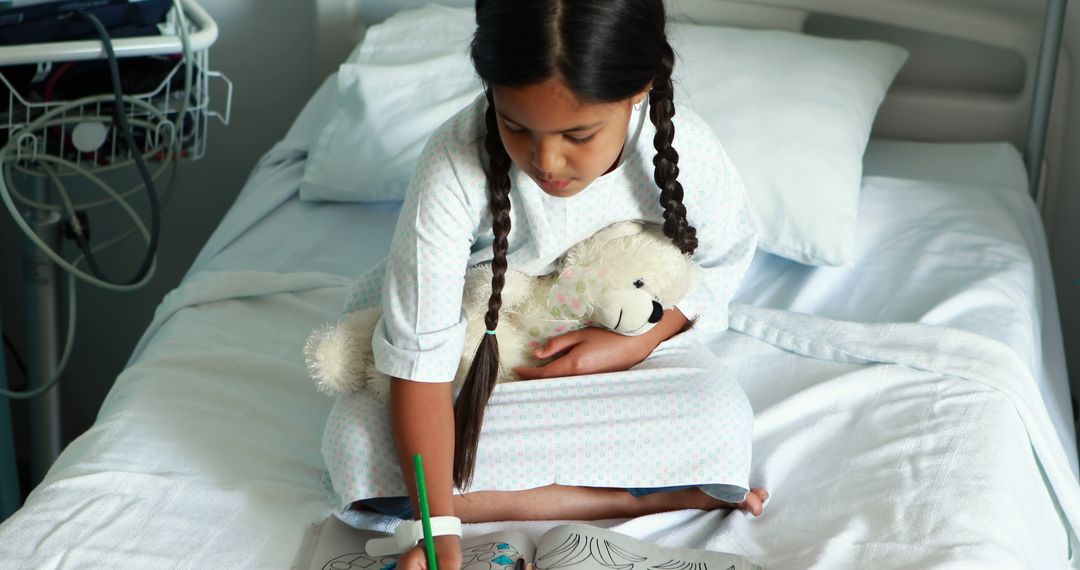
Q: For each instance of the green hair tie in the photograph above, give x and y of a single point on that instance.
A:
(490, 332)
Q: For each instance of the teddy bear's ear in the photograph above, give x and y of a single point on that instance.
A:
(618, 230)
(585, 251)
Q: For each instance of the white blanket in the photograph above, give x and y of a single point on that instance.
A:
(881, 446)
(918, 452)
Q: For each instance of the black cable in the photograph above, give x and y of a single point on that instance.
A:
(129, 138)
(15, 355)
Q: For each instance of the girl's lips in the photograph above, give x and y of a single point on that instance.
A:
(553, 185)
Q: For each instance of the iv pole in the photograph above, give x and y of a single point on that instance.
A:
(41, 286)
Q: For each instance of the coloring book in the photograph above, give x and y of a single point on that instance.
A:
(333, 545)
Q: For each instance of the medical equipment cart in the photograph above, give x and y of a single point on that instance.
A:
(158, 114)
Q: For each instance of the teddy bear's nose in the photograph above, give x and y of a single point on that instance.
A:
(657, 312)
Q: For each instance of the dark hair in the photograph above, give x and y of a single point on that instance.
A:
(605, 51)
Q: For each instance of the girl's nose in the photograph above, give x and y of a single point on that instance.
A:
(546, 157)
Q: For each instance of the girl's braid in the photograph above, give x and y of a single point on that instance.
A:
(478, 385)
(666, 173)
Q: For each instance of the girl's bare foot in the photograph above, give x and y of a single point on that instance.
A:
(754, 502)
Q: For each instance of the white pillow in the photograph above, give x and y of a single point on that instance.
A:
(794, 113)
(408, 76)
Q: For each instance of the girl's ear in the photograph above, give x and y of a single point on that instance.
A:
(640, 96)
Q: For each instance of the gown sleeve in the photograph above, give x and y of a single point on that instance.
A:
(421, 334)
(717, 207)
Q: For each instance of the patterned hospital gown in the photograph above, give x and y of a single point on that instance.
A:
(676, 418)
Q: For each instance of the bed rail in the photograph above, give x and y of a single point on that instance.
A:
(1042, 95)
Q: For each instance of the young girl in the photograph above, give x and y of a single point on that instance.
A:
(576, 131)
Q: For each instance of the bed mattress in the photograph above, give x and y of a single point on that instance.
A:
(206, 451)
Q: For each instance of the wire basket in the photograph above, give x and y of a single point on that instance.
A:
(70, 82)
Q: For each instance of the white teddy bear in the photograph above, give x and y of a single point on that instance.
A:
(620, 279)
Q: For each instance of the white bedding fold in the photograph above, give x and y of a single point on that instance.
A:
(939, 351)
(211, 286)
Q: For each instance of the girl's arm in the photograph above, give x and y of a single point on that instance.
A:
(593, 350)
(422, 414)
(672, 323)
(717, 206)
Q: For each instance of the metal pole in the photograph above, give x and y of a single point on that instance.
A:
(41, 280)
(1043, 92)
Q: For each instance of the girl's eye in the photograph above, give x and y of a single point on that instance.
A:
(581, 141)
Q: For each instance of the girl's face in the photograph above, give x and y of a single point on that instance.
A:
(560, 142)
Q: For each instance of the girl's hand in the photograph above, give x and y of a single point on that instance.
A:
(447, 551)
(589, 351)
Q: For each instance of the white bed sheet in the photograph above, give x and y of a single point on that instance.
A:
(205, 453)
(883, 446)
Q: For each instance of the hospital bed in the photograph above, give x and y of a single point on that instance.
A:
(206, 452)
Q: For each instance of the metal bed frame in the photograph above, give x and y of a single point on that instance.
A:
(1043, 92)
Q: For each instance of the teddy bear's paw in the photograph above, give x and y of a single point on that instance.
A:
(517, 288)
(331, 362)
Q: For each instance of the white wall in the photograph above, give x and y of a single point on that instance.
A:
(266, 48)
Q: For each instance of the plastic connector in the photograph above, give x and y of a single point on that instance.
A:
(80, 225)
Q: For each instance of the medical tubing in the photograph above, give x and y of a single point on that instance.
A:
(73, 219)
(102, 246)
(5, 189)
(82, 205)
(45, 121)
(114, 196)
(165, 197)
(37, 173)
(72, 271)
(177, 127)
(64, 197)
(125, 128)
(48, 251)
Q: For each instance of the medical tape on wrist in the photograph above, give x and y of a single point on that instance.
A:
(408, 533)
